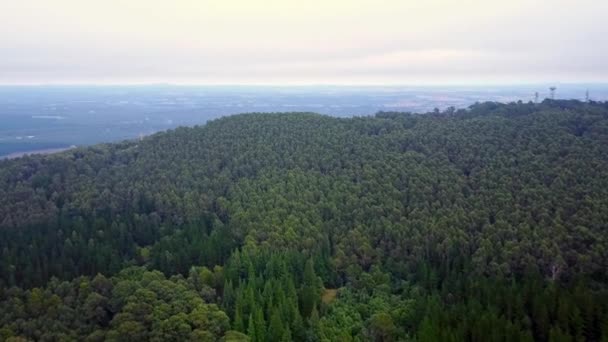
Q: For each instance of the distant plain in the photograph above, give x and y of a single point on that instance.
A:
(50, 118)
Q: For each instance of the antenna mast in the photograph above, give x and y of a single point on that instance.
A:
(552, 89)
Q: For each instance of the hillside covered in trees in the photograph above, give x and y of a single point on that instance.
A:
(485, 224)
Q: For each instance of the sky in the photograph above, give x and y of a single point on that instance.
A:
(290, 42)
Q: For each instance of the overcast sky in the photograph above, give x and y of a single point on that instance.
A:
(303, 42)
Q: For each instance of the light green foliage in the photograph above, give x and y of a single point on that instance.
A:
(142, 305)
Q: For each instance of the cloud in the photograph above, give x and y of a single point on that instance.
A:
(290, 41)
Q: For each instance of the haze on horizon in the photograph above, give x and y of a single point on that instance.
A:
(302, 42)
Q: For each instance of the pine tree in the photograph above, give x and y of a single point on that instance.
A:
(251, 329)
(314, 315)
(427, 332)
(286, 335)
(228, 297)
(557, 335)
(310, 278)
(297, 325)
(260, 324)
(309, 293)
(275, 329)
(238, 323)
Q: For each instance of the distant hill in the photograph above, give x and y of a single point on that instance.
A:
(482, 224)
(43, 151)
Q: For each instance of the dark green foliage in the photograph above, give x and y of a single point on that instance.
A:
(481, 224)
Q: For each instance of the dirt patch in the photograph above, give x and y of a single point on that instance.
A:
(329, 295)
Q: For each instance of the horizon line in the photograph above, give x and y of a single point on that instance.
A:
(303, 84)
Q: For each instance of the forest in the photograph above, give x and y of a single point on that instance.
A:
(482, 224)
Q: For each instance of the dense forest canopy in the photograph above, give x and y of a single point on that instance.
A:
(484, 224)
